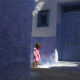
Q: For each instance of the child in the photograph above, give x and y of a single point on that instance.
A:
(36, 55)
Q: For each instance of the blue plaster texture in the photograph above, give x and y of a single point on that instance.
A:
(48, 44)
(15, 39)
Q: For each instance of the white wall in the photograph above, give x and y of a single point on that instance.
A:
(51, 5)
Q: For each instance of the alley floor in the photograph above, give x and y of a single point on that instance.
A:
(56, 73)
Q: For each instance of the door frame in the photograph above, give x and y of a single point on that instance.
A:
(59, 27)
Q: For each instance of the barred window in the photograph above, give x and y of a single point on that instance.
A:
(73, 8)
(43, 18)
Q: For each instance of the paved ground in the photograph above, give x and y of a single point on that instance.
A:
(56, 73)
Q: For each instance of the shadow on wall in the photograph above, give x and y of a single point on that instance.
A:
(15, 39)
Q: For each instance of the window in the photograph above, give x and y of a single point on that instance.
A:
(43, 18)
(73, 8)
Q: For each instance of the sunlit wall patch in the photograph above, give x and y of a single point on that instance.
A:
(38, 7)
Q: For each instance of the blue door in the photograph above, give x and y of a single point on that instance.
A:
(70, 44)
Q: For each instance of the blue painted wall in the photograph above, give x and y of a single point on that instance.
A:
(15, 38)
(48, 44)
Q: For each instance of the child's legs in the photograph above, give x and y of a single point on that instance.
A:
(34, 63)
(37, 63)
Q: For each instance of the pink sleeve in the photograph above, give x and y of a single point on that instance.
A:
(34, 49)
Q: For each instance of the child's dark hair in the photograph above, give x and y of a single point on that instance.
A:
(37, 45)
